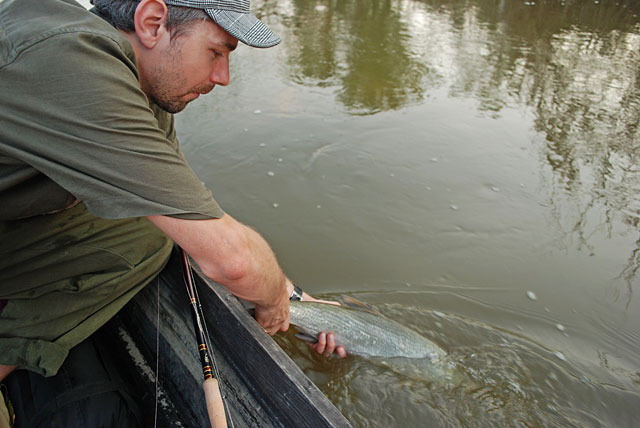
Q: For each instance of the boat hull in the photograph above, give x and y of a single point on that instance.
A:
(261, 385)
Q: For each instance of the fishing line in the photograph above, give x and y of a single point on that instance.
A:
(155, 417)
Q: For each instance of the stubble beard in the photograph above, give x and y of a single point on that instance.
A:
(165, 81)
(160, 92)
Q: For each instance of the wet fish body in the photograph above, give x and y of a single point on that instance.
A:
(362, 332)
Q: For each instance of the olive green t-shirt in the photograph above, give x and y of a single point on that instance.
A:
(74, 123)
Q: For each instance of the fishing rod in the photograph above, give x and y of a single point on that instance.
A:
(213, 398)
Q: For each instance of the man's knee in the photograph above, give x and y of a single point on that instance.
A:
(85, 393)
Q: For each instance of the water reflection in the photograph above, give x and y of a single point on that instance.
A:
(363, 48)
(574, 64)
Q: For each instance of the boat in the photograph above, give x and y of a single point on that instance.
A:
(261, 386)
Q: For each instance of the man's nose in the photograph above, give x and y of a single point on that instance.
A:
(220, 73)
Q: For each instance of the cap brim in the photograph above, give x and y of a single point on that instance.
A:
(244, 27)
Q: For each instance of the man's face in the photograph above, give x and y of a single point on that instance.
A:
(188, 66)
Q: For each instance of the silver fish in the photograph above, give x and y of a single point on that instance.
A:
(361, 332)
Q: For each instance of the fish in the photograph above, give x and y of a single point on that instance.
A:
(362, 332)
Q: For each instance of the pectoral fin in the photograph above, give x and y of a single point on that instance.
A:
(307, 338)
(353, 303)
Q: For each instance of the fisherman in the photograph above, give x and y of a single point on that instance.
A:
(94, 189)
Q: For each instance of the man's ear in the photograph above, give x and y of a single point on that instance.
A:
(149, 19)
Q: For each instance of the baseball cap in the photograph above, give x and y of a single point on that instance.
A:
(235, 17)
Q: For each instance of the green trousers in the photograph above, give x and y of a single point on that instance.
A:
(63, 275)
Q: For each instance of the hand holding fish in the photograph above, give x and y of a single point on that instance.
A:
(274, 318)
(326, 343)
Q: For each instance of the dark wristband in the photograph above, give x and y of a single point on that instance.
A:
(296, 294)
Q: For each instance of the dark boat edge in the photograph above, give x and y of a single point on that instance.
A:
(261, 385)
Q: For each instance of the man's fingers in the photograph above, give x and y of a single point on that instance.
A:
(331, 344)
(322, 343)
(274, 328)
(273, 319)
(327, 345)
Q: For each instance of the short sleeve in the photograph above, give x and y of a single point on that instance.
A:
(73, 110)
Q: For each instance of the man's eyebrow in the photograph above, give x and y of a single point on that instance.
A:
(228, 45)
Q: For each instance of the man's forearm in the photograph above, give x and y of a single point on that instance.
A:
(230, 253)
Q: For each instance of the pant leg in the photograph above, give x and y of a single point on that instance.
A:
(86, 392)
(62, 276)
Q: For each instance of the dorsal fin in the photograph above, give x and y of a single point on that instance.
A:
(353, 303)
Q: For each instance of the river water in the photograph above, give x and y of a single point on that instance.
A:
(470, 168)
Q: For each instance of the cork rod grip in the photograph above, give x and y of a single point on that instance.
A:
(215, 406)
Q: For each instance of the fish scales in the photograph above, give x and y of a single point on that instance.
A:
(361, 332)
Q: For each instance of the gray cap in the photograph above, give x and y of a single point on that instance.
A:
(235, 17)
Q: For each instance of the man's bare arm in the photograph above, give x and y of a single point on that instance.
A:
(237, 257)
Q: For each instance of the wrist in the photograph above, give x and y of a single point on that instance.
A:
(295, 293)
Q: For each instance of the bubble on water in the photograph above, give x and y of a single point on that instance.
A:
(276, 205)
(495, 188)
(318, 206)
(532, 295)
(427, 187)
(438, 314)
(263, 145)
(560, 327)
(454, 207)
(246, 129)
(559, 355)
(271, 173)
(257, 111)
(392, 174)
(280, 159)
(434, 160)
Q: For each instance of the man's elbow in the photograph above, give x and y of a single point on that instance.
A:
(233, 268)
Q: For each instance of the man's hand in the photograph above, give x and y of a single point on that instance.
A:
(275, 317)
(326, 341)
(327, 345)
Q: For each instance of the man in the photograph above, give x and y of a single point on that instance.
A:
(92, 180)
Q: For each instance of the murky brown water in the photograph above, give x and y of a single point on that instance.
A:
(448, 161)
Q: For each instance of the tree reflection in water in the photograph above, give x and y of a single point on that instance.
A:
(574, 64)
